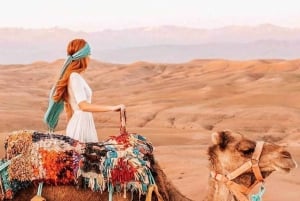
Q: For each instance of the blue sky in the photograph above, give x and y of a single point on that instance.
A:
(95, 15)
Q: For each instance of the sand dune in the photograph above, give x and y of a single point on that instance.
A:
(177, 106)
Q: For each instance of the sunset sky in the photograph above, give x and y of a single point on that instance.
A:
(95, 15)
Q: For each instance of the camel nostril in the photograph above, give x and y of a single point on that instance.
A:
(286, 154)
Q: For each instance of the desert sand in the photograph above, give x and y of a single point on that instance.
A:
(177, 107)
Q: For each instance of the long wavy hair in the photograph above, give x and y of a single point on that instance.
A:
(61, 92)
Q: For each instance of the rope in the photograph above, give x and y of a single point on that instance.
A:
(110, 191)
(123, 122)
(39, 193)
(150, 191)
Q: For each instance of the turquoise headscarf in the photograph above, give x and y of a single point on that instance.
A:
(55, 108)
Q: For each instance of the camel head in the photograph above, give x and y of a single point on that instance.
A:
(231, 150)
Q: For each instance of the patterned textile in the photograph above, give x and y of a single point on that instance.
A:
(119, 164)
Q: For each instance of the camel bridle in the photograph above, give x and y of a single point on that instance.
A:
(241, 192)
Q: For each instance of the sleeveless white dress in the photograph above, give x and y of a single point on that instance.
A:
(81, 126)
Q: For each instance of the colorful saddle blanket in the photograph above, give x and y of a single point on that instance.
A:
(119, 164)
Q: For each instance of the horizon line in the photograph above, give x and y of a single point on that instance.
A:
(157, 62)
(150, 27)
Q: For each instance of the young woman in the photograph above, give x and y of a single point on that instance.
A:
(77, 95)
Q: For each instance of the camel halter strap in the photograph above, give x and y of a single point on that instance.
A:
(241, 192)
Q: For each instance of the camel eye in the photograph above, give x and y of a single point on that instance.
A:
(248, 151)
(246, 147)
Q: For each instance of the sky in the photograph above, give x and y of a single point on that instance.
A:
(97, 15)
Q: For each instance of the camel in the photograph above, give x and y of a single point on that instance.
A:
(231, 170)
(238, 165)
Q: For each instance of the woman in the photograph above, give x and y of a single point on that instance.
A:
(76, 94)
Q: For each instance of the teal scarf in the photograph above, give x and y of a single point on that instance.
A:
(55, 108)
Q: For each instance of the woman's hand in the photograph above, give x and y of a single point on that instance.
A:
(120, 107)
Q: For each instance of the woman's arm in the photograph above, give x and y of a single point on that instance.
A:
(90, 107)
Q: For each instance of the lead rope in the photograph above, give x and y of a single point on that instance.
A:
(258, 196)
(110, 191)
(123, 121)
(39, 192)
(122, 131)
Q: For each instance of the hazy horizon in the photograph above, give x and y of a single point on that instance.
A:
(148, 27)
(155, 31)
(166, 44)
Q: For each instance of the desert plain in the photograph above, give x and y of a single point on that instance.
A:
(177, 106)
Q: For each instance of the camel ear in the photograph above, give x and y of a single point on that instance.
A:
(221, 138)
(215, 138)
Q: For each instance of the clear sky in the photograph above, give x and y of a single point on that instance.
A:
(96, 15)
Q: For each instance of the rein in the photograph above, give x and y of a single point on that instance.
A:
(123, 122)
(241, 192)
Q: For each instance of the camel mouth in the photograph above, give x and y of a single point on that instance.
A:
(283, 169)
(286, 170)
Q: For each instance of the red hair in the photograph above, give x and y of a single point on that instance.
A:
(61, 92)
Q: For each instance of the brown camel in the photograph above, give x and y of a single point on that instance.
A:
(237, 164)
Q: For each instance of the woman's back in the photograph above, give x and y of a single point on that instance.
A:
(81, 126)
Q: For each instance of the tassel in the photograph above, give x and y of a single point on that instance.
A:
(258, 196)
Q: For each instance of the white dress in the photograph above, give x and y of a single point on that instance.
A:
(81, 126)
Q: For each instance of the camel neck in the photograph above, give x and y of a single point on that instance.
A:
(218, 191)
